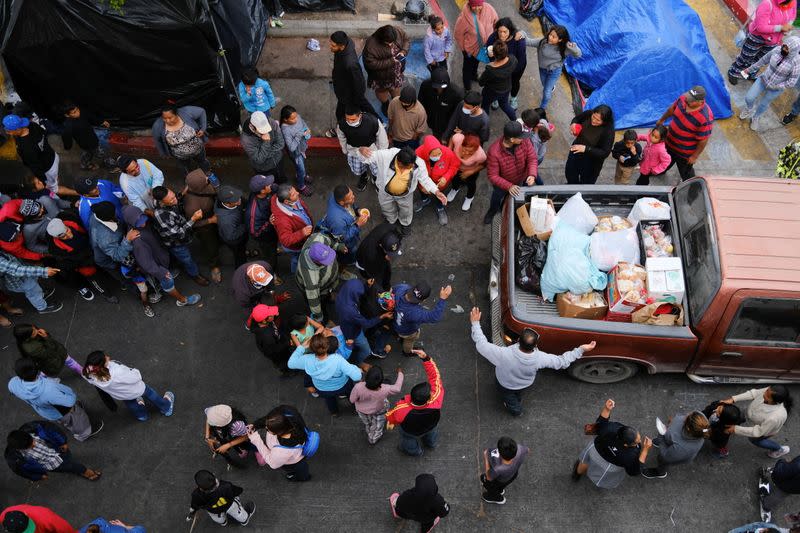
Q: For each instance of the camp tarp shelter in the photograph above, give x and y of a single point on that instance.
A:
(639, 56)
(319, 5)
(124, 64)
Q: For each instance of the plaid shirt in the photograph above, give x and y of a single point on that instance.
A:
(13, 273)
(43, 454)
(781, 72)
(172, 226)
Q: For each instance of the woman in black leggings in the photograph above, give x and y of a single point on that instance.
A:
(594, 137)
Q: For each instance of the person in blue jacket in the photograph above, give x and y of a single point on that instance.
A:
(101, 525)
(344, 220)
(255, 92)
(352, 322)
(409, 314)
(94, 190)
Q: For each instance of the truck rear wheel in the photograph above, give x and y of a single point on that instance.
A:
(602, 370)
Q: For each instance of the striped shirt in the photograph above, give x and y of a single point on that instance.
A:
(688, 128)
(316, 280)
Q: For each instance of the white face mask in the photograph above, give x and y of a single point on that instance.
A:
(354, 124)
(466, 111)
(435, 158)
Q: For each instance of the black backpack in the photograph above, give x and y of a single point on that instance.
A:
(529, 8)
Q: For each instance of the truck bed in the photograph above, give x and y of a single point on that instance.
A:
(612, 200)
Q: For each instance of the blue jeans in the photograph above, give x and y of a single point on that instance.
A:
(490, 96)
(379, 338)
(758, 92)
(150, 395)
(330, 396)
(496, 201)
(766, 443)
(29, 286)
(512, 399)
(796, 104)
(294, 256)
(361, 349)
(413, 143)
(549, 79)
(300, 167)
(182, 253)
(409, 444)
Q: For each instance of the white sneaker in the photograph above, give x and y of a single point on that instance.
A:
(467, 204)
(452, 194)
(779, 453)
(758, 123)
(513, 102)
(746, 113)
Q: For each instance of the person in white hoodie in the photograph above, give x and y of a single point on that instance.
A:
(768, 410)
(516, 365)
(125, 384)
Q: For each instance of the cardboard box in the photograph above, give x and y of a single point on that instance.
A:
(617, 305)
(526, 224)
(665, 279)
(567, 309)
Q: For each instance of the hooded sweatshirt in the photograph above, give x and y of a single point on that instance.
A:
(384, 163)
(655, 158)
(781, 72)
(200, 194)
(48, 354)
(443, 169)
(768, 19)
(423, 503)
(264, 156)
(514, 368)
(348, 309)
(329, 374)
(125, 382)
(767, 419)
(43, 395)
(46, 520)
(150, 254)
(677, 446)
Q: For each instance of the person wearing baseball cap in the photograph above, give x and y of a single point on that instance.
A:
(226, 434)
(229, 211)
(258, 217)
(474, 25)
(253, 282)
(440, 98)
(263, 143)
(379, 248)
(271, 340)
(318, 272)
(32, 518)
(180, 132)
(407, 119)
(409, 314)
(35, 152)
(689, 130)
(512, 163)
(93, 190)
(137, 179)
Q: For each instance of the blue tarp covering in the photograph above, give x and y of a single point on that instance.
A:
(639, 56)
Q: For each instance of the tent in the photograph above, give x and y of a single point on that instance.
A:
(124, 63)
(639, 56)
(319, 5)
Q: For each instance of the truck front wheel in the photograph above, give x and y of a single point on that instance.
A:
(602, 370)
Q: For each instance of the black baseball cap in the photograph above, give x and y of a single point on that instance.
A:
(419, 292)
(390, 243)
(440, 78)
(18, 522)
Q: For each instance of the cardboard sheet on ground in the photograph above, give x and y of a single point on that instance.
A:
(639, 56)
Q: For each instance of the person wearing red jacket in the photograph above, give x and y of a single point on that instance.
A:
(293, 221)
(511, 162)
(18, 519)
(10, 211)
(442, 164)
(418, 413)
(12, 241)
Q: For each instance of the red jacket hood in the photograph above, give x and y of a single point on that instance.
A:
(446, 167)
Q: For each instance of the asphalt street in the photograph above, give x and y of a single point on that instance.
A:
(206, 357)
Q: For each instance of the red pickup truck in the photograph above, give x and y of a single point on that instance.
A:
(739, 241)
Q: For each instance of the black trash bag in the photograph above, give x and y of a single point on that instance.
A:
(531, 257)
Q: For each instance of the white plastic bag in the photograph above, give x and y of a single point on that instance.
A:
(649, 209)
(611, 247)
(578, 214)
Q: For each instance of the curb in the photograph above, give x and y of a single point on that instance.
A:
(740, 9)
(224, 146)
(354, 29)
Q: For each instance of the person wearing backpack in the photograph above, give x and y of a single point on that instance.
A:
(288, 442)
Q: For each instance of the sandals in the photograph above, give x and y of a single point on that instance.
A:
(92, 475)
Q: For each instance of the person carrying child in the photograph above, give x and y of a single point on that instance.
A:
(296, 135)
(655, 158)
(438, 44)
(628, 153)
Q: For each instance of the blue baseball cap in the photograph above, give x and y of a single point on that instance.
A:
(15, 122)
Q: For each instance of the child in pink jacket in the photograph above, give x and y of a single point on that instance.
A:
(371, 399)
(655, 159)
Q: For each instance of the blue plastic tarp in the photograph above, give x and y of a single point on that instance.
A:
(639, 56)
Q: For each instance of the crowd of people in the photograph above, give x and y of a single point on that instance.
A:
(420, 148)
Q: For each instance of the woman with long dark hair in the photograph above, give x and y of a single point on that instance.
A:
(283, 446)
(768, 410)
(594, 137)
(384, 59)
(506, 31)
(551, 51)
(496, 79)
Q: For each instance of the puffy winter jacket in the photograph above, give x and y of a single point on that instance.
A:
(443, 170)
(507, 168)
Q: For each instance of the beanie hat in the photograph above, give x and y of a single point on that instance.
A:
(219, 415)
